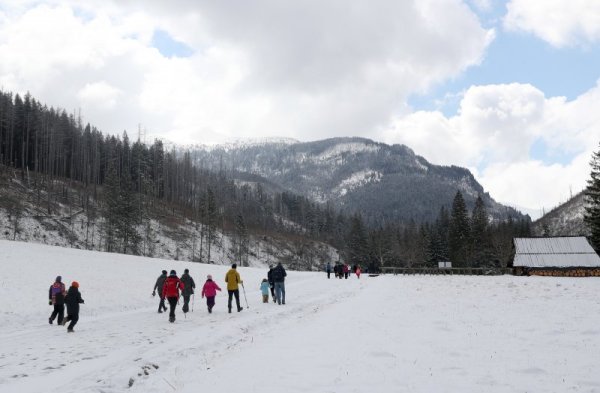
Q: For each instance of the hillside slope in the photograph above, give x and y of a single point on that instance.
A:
(168, 236)
(382, 182)
(564, 220)
(458, 334)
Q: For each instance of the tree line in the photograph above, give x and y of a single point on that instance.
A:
(124, 185)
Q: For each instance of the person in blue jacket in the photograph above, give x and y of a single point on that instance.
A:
(264, 288)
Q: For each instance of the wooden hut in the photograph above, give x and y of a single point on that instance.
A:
(555, 256)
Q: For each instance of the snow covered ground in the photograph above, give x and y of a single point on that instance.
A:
(376, 334)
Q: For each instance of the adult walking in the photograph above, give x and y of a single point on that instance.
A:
(160, 283)
(271, 282)
(232, 278)
(328, 269)
(188, 289)
(279, 278)
(72, 300)
(171, 291)
(56, 298)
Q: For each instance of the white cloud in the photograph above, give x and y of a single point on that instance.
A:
(99, 94)
(494, 132)
(306, 69)
(559, 22)
(535, 185)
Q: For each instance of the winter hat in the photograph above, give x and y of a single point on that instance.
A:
(234, 266)
(58, 278)
(264, 280)
(173, 273)
(164, 272)
(209, 277)
(186, 271)
(75, 284)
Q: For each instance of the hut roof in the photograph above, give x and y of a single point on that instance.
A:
(555, 252)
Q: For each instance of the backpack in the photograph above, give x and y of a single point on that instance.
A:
(278, 274)
(57, 288)
(172, 286)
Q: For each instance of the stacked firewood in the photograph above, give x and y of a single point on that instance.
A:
(567, 273)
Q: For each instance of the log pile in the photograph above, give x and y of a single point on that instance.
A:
(575, 272)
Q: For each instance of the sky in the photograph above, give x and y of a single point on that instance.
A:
(509, 89)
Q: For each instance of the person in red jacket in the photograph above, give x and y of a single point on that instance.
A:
(209, 290)
(170, 290)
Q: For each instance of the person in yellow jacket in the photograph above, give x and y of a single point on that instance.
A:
(232, 278)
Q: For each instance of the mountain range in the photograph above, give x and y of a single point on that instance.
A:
(382, 182)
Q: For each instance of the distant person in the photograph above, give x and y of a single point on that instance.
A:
(264, 288)
(232, 278)
(271, 282)
(72, 300)
(171, 291)
(328, 269)
(188, 289)
(346, 270)
(56, 298)
(279, 278)
(209, 290)
(160, 282)
(358, 271)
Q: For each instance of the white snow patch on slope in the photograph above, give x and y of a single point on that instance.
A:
(358, 179)
(350, 147)
(426, 333)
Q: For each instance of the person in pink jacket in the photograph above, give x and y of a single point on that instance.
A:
(209, 290)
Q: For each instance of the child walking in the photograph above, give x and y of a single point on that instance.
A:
(209, 290)
(264, 287)
(72, 300)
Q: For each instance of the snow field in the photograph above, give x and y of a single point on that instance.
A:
(376, 334)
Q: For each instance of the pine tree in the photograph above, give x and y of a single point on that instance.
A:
(459, 232)
(358, 253)
(110, 207)
(240, 240)
(592, 193)
(479, 233)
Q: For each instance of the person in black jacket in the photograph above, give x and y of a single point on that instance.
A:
(56, 298)
(271, 283)
(160, 282)
(279, 277)
(72, 300)
(188, 289)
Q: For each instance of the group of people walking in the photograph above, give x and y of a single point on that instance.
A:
(170, 288)
(342, 270)
(58, 297)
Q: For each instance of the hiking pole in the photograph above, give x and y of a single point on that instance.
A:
(245, 298)
(193, 299)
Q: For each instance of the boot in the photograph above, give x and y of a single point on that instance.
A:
(50, 321)
(70, 330)
(171, 319)
(240, 309)
(229, 310)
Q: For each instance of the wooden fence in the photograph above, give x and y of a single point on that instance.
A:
(470, 271)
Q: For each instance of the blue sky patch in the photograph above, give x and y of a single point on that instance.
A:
(168, 46)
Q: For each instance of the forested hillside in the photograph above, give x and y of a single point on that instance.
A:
(56, 170)
(382, 182)
(564, 220)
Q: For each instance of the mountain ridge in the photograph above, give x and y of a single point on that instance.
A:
(358, 175)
